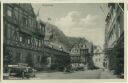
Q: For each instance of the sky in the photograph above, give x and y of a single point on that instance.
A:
(76, 19)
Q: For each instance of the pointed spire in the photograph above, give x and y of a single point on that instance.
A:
(37, 16)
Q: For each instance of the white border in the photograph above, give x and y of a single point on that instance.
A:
(67, 80)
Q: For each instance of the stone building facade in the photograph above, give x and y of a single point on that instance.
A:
(23, 35)
(114, 37)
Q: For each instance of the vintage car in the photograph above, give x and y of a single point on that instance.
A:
(29, 72)
(21, 71)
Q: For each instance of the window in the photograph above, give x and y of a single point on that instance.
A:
(21, 39)
(20, 17)
(9, 11)
(25, 22)
(10, 31)
(13, 34)
(28, 41)
(39, 43)
(119, 30)
(36, 41)
(17, 36)
(118, 26)
(43, 28)
(32, 41)
(16, 14)
(29, 22)
(40, 26)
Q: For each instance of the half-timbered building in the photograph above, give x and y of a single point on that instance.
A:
(23, 35)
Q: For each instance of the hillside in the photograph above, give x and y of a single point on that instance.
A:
(57, 36)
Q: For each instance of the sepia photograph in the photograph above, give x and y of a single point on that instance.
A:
(63, 41)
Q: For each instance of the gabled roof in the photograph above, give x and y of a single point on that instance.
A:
(28, 8)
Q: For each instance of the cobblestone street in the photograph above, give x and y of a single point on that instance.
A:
(87, 74)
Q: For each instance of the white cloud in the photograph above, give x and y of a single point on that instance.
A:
(73, 24)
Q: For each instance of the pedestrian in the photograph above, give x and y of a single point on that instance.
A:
(65, 69)
(23, 74)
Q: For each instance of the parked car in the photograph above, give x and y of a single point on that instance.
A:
(6, 75)
(21, 71)
(29, 72)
